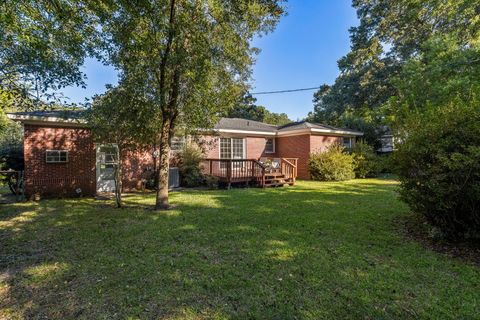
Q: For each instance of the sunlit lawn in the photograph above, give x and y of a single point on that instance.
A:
(316, 250)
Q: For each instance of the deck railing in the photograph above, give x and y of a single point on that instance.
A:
(235, 170)
(289, 168)
(249, 170)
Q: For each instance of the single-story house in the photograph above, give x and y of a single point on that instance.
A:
(61, 157)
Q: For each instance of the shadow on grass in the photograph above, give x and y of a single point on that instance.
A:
(312, 251)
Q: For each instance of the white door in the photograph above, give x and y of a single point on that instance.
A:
(107, 159)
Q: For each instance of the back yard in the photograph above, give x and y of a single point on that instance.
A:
(316, 250)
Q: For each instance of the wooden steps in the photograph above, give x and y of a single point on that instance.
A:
(276, 180)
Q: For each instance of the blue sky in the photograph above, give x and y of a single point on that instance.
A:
(301, 52)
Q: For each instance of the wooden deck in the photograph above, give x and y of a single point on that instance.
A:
(252, 171)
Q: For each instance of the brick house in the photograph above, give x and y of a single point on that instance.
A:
(61, 157)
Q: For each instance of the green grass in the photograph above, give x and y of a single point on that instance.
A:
(316, 250)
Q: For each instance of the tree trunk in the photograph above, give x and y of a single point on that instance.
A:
(118, 182)
(163, 167)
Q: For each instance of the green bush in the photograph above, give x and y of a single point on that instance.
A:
(11, 147)
(331, 165)
(189, 165)
(439, 169)
(366, 162)
(386, 163)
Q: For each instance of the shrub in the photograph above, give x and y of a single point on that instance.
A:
(331, 165)
(11, 147)
(11, 157)
(366, 161)
(386, 163)
(189, 166)
(439, 169)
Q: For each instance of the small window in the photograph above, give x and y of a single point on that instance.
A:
(270, 145)
(347, 142)
(177, 144)
(108, 154)
(57, 156)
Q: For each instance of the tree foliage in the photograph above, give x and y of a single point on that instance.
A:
(439, 168)
(122, 118)
(189, 59)
(366, 162)
(246, 108)
(396, 39)
(189, 165)
(43, 44)
(445, 72)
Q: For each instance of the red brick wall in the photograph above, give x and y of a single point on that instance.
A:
(211, 146)
(62, 179)
(296, 147)
(137, 165)
(301, 146)
(255, 147)
(321, 143)
(59, 179)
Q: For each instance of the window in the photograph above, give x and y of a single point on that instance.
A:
(237, 148)
(232, 148)
(177, 144)
(56, 156)
(270, 145)
(108, 154)
(347, 142)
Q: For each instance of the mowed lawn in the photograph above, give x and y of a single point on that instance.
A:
(313, 251)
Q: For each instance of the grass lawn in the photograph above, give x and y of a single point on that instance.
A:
(316, 250)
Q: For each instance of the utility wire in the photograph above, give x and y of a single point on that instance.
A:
(284, 91)
(314, 88)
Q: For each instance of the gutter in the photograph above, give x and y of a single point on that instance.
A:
(55, 121)
(71, 122)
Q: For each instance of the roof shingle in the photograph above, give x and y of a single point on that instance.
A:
(223, 123)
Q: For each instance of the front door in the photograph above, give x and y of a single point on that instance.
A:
(107, 159)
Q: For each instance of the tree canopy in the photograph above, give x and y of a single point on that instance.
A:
(246, 108)
(43, 45)
(189, 59)
(395, 42)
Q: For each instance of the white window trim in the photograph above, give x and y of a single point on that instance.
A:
(244, 141)
(182, 140)
(274, 146)
(56, 150)
(349, 142)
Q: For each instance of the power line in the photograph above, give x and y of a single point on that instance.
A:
(284, 91)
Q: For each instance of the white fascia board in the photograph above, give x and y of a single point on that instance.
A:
(56, 121)
(260, 133)
(338, 132)
(315, 130)
(296, 132)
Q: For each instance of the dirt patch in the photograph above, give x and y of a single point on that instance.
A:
(415, 227)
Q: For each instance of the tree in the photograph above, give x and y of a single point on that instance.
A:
(445, 72)
(190, 59)
(246, 108)
(42, 47)
(390, 34)
(439, 167)
(110, 119)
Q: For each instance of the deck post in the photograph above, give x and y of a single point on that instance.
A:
(229, 173)
(263, 177)
(211, 167)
